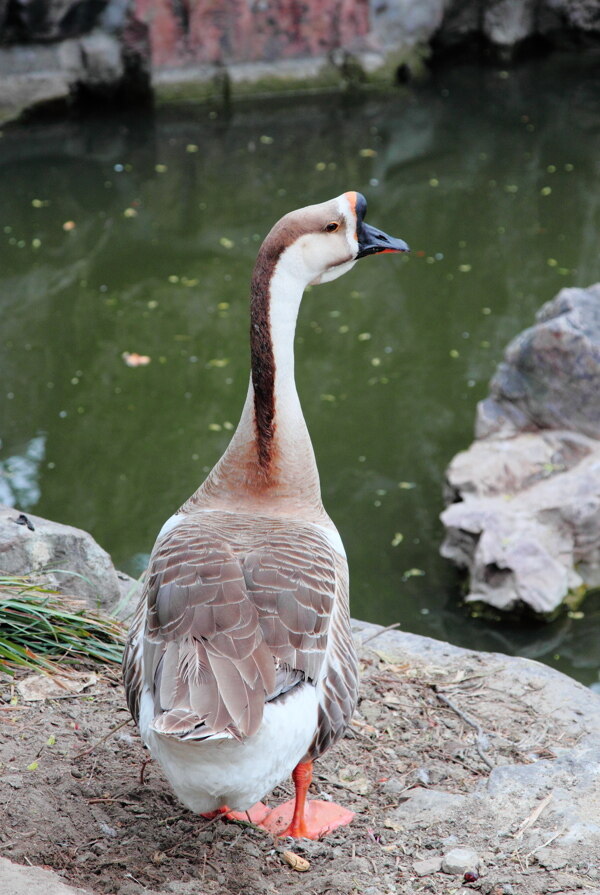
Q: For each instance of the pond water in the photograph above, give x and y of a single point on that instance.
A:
(139, 235)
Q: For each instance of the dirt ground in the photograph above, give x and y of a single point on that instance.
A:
(76, 803)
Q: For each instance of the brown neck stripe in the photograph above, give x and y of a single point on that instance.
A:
(262, 358)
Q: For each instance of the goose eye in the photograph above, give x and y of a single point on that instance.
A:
(332, 226)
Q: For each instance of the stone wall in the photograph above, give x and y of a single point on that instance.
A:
(58, 50)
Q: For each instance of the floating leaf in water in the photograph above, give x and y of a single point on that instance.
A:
(173, 278)
(367, 153)
(130, 213)
(215, 427)
(218, 362)
(160, 169)
(68, 226)
(266, 140)
(454, 353)
(464, 268)
(397, 539)
(412, 573)
(226, 243)
(545, 191)
(133, 359)
(433, 181)
(320, 166)
(364, 337)
(191, 147)
(406, 486)
(40, 203)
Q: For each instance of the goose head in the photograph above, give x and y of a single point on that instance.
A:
(319, 243)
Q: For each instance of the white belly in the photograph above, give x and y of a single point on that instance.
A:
(207, 774)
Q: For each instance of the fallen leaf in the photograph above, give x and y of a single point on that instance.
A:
(295, 861)
(33, 766)
(133, 359)
(352, 779)
(37, 687)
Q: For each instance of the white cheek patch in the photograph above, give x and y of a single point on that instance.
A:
(349, 215)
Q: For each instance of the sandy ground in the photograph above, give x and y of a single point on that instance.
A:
(425, 736)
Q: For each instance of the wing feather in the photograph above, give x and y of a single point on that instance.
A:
(237, 611)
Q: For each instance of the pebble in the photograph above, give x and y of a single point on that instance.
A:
(459, 860)
(429, 865)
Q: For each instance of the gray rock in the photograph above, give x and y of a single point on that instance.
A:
(506, 22)
(428, 866)
(550, 377)
(524, 499)
(460, 860)
(18, 880)
(425, 805)
(66, 557)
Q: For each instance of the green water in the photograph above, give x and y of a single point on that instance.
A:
(490, 176)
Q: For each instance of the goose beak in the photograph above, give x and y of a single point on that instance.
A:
(372, 241)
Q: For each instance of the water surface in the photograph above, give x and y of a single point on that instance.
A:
(139, 235)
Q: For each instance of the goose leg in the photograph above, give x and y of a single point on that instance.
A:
(304, 819)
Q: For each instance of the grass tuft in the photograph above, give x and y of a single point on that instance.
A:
(40, 627)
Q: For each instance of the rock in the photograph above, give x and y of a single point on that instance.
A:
(506, 23)
(52, 20)
(524, 513)
(66, 557)
(430, 865)
(18, 880)
(58, 52)
(460, 860)
(550, 377)
(424, 805)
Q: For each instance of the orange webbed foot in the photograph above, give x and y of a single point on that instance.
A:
(319, 819)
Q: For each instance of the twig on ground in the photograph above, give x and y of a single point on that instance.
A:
(529, 821)
(480, 738)
(99, 742)
(379, 633)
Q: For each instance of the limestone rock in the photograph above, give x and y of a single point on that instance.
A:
(425, 805)
(550, 377)
(460, 860)
(18, 880)
(68, 557)
(524, 500)
(428, 866)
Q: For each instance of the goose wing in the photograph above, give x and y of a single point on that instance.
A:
(227, 629)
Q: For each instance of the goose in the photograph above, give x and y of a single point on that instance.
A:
(239, 667)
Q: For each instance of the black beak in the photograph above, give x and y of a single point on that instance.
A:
(372, 241)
